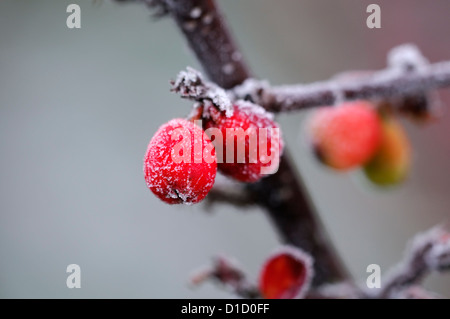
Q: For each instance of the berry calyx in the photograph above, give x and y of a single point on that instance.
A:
(391, 163)
(345, 136)
(250, 145)
(180, 165)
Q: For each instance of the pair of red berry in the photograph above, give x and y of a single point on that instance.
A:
(189, 180)
(356, 134)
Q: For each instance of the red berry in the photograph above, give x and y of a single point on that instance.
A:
(180, 165)
(250, 143)
(345, 136)
(286, 275)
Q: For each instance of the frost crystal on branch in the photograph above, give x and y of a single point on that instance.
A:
(409, 76)
(407, 57)
(438, 256)
(431, 248)
(191, 85)
(251, 89)
(428, 252)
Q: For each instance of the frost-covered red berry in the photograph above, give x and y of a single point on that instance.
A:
(286, 274)
(248, 142)
(345, 136)
(180, 165)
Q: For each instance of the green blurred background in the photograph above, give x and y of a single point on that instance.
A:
(78, 107)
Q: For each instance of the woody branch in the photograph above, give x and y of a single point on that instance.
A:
(427, 252)
(283, 194)
(408, 77)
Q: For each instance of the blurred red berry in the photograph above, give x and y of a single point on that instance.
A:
(345, 136)
(180, 165)
(391, 164)
(286, 275)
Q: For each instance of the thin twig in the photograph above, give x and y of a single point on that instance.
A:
(427, 252)
(393, 82)
(227, 272)
(235, 195)
(191, 85)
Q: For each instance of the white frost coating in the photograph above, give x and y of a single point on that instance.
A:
(286, 92)
(439, 255)
(178, 181)
(190, 84)
(432, 247)
(337, 92)
(188, 77)
(406, 56)
(250, 86)
(301, 257)
(221, 99)
(236, 56)
(208, 18)
(252, 108)
(196, 13)
(228, 68)
(207, 104)
(187, 83)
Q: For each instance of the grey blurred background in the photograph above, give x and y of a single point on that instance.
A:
(78, 107)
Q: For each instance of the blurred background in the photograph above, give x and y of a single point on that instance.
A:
(79, 106)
